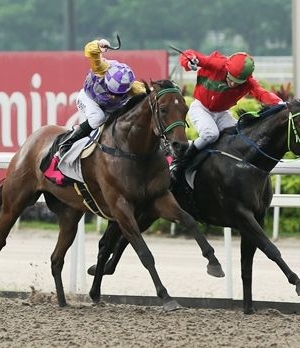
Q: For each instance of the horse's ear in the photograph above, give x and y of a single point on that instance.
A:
(148, 89)
(240, 112)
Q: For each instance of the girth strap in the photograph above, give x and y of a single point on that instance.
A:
(88, 199)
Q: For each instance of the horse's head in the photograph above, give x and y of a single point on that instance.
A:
(294, 126)
(169, 111)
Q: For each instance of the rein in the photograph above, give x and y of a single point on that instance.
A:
(252, 143)
(291, 125)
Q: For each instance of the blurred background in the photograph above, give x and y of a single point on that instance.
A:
(35, 33)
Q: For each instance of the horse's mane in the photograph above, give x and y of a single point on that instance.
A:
(247, 119)
(130, 103)
(165, 84)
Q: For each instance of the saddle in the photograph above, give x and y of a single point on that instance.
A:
(185, 182)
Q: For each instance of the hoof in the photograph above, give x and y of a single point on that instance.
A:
(171, 305)
(94, 298)
(62, 304)
(92, 270)
(215, 271)
(298, 288)
(249, 311)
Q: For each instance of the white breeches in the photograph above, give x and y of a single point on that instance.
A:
(208, 124)
(90, 109)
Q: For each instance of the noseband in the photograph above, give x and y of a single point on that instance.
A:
(154, 105)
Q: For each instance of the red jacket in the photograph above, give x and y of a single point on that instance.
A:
(211, 88)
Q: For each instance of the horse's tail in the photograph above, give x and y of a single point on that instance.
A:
(1, 187)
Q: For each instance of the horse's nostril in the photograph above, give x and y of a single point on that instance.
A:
(179, 148)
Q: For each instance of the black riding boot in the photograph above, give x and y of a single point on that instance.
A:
(83, 130)
(178, 165)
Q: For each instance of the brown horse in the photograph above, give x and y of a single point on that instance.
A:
(127, 175)
(232, 188)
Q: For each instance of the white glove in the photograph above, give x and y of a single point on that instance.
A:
(192, 64)
(103, 45)
(281, 102)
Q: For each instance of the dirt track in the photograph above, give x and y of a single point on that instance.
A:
(38, 322)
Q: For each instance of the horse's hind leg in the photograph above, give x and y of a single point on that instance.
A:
(14, 200)
(105, 248)
(68, 219)
(116, 243)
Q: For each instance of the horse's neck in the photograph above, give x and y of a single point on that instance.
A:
(134, 131)
(260, 144)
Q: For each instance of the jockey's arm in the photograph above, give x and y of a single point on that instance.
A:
(262, 95)
(93, 53)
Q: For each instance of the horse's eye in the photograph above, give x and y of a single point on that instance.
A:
(163, 109)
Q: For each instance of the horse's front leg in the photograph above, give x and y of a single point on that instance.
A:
(168, 208)
(255, 235)
(247, 254)
(132, 233)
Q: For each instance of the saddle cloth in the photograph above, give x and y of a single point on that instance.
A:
(70, 164)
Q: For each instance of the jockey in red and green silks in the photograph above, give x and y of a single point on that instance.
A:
(221, 82)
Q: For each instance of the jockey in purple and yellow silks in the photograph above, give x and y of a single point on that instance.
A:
(107, 86)
(221, 82)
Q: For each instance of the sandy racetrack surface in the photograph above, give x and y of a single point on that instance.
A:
(37, 321)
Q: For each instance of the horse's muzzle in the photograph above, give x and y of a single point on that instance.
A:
(179, 148)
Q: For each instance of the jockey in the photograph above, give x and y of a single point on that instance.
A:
(221, 82)
(107, 86)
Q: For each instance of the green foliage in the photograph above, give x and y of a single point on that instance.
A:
(255, 26)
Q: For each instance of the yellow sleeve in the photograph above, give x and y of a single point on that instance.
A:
(137, 88)
(93, 53)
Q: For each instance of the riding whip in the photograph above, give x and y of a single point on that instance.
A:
(180, 51)
(115, 47)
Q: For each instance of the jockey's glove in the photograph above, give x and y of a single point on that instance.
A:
(193, 64)
(103, 45)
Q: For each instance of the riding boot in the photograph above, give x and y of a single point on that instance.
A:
(178, 165)
(83, 130)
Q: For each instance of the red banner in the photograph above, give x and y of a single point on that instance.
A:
(40, 88)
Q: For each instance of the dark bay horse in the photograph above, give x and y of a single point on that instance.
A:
(127, 175)
(232, 188)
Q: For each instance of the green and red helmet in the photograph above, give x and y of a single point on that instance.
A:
(240, 67)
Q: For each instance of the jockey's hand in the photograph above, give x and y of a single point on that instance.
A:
(103, 45)
(281, 102)
(193, 64)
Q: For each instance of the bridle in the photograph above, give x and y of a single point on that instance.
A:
(291, 125)
(162, 130)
